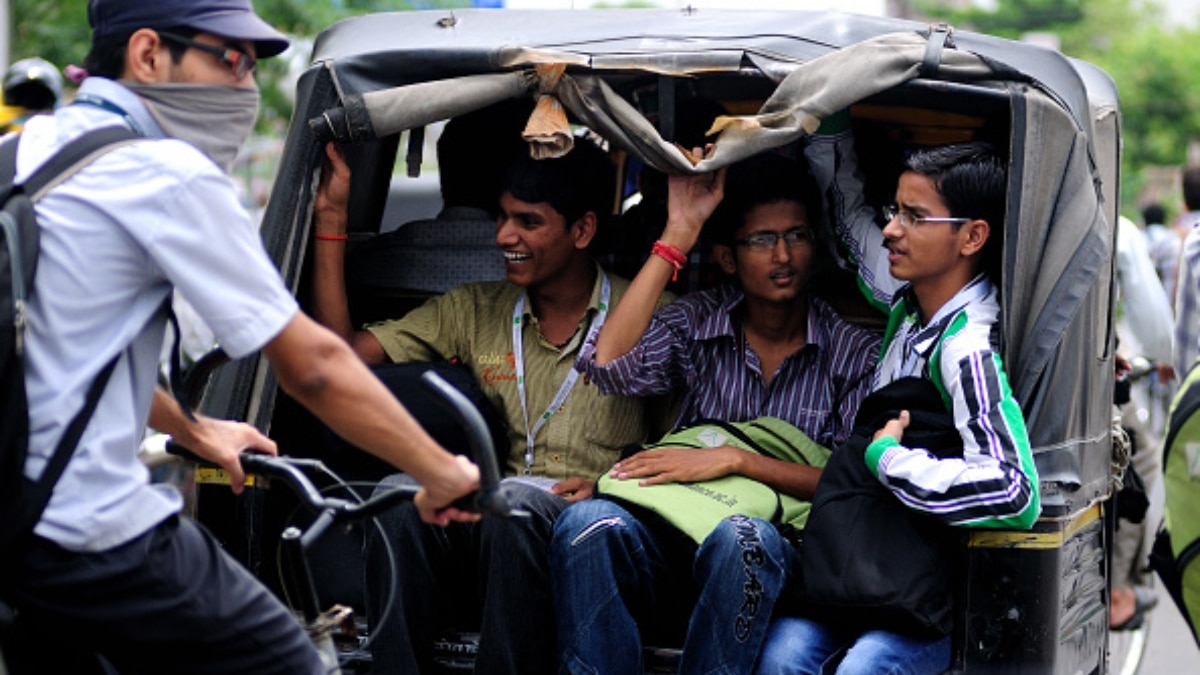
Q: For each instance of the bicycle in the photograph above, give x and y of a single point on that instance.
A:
(333, 631)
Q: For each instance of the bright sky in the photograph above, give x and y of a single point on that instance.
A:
(875, 7)
(1179, 12)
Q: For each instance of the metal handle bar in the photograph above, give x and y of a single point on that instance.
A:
(492, 497)
(291, 470)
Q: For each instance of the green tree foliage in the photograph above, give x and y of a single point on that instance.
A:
(1153, 65)
(58, 31)
(1010, 18)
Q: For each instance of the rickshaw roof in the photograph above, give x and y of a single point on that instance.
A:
(389, 48)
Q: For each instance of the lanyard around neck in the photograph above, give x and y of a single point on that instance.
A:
(105, 104)
(518, 345)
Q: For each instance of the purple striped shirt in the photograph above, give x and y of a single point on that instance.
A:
(694, 345)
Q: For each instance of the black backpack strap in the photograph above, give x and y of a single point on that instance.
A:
(70, 158)
(70, 438)
(64, 163)
(8, 160)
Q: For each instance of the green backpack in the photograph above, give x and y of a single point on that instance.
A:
(697, 508)
(1176, 555)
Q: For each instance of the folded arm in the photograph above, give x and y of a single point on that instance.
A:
(995, 484)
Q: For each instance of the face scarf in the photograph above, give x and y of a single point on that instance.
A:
(215, 118)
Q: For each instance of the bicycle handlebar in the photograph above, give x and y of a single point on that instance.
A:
(290, 471)
(491, 498)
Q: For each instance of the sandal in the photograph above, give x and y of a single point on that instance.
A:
(1144, 601)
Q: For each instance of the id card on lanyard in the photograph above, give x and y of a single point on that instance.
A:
(518, 346)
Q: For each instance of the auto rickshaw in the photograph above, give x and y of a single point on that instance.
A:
(1031, 601)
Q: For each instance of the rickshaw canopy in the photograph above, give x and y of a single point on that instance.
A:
(388, 73)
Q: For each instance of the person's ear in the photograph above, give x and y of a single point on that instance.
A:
(146, 59)
(725, 258)
(974, 237)
(583, 230)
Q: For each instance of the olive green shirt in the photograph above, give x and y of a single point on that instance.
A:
(473, 323)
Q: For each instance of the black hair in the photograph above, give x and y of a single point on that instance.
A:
(1191, 188)
(762, 179)
(1154, 214)
(582, 180)
(106, 58)
(973, 183)
(969, 177)
(475, 151)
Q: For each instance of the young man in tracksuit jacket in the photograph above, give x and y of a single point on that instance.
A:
(927, 268)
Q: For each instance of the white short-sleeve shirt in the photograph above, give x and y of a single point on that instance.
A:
(115, 239)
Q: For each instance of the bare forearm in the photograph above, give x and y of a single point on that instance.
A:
(330, 219)
(631, 316)
(330, 307)
(797, 480)
(165, 414)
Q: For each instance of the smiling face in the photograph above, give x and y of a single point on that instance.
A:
(933, 256)
(777, 275)
(538, 246)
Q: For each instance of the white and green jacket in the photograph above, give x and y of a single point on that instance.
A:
(995, 484)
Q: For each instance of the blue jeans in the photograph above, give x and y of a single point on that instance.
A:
(609, 572)
(801, 646)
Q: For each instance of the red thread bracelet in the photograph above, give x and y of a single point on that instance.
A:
(672, 255)
(331, 237)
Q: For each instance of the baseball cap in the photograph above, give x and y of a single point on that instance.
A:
(227, 18)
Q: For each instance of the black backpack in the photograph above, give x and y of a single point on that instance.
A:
(22, 500)
(868, 561)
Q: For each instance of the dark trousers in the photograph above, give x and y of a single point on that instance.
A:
(492, 574)
(170, 601)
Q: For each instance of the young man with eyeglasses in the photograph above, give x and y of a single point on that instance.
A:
(759, 346)
(112, 572)
(929, 268)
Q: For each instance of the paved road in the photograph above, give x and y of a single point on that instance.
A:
(1170, 649)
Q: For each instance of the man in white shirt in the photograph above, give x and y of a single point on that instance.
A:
(111, 564)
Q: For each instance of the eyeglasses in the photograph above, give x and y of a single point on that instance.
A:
(239, 62)
(766, 241)
(909, 221)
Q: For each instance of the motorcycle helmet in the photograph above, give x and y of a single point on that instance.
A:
(33, 84)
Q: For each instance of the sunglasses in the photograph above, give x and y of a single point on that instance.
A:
(239, 62)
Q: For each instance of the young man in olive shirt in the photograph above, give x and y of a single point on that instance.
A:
(520, 337)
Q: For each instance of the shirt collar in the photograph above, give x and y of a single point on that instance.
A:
(977, 289)
(720, 323)
(124, 99)
(593, 302)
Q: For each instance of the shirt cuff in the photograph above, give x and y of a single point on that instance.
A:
(876, 450)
